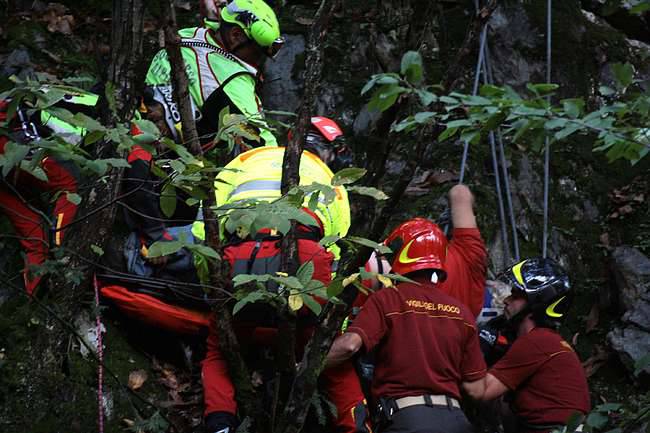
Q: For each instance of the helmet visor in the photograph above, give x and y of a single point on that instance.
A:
(272, 50)
(315, 143)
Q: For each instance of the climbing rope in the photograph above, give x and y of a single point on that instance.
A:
(547, 144)
(504, 166)
(477, 76)
(100, 361)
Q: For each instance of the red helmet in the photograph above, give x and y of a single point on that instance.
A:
(417, 244)
(325, 139)
(327, 127)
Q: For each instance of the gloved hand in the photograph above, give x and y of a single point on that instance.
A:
(221, 422)
(494, 344)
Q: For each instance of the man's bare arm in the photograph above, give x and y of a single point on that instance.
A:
(461, 201)
(475, 389)
(493, 388)
(343, 348)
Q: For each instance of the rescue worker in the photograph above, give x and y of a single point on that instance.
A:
(20, 191)
(466, 259)
(222, 61)
(257, 174)
(426, 340)
(541, 370)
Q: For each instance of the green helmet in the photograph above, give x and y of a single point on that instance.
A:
(258, 21)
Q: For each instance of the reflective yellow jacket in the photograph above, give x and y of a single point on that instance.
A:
(257, 174)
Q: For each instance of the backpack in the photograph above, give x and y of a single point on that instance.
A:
(263, 256)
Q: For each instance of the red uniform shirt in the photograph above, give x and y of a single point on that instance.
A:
(466, 269)
(466, 265)
(546, 376)
(427, 341)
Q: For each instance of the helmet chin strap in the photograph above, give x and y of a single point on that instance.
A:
(513, 323)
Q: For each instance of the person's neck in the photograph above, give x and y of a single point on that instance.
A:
(422, 279)
(216, 36)
(525, 326)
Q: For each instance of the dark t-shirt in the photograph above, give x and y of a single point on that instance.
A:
(426, 340)
(546, 376)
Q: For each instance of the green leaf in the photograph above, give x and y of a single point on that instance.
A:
(556, 123)
(476, 101)
(290, 282)
(447, 133)
(97, 166)
(313, 201)
(375, 193)
(311, 303)
(329, 240)
(608, 407)
(348, 175)
(606, 91)
(204, 250)
(565, 132)
(116, 162)
(458, 123)
(164, 248)
(73, 198)
(368, 243)
(623, 73)
(542, 89)
(305, 272)
(35, 171)
(573, 107)
(93, 137)
(423, 116)
(335, 288)
(97, 249)
(241, 279)
(426, 97)
(379, 79)
(248, 299)
(411, 67)
(168, 200)
(491, 90)
(385, 96)
(13, 155)
(404, 125)
(449, 100)
(597, 420)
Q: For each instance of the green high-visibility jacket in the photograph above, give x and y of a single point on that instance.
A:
(208, 67)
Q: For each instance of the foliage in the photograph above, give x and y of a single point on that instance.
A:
(38, 96)
(618, 125)
(389, 87)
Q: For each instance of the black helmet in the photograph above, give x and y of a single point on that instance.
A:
(545, 285)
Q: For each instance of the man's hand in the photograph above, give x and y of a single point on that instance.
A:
(492, 341)
(461, 202)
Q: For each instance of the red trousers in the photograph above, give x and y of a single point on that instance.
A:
(32, 231)
(341, 384)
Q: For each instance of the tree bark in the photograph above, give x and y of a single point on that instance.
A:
(246, 396)
(303, 385)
